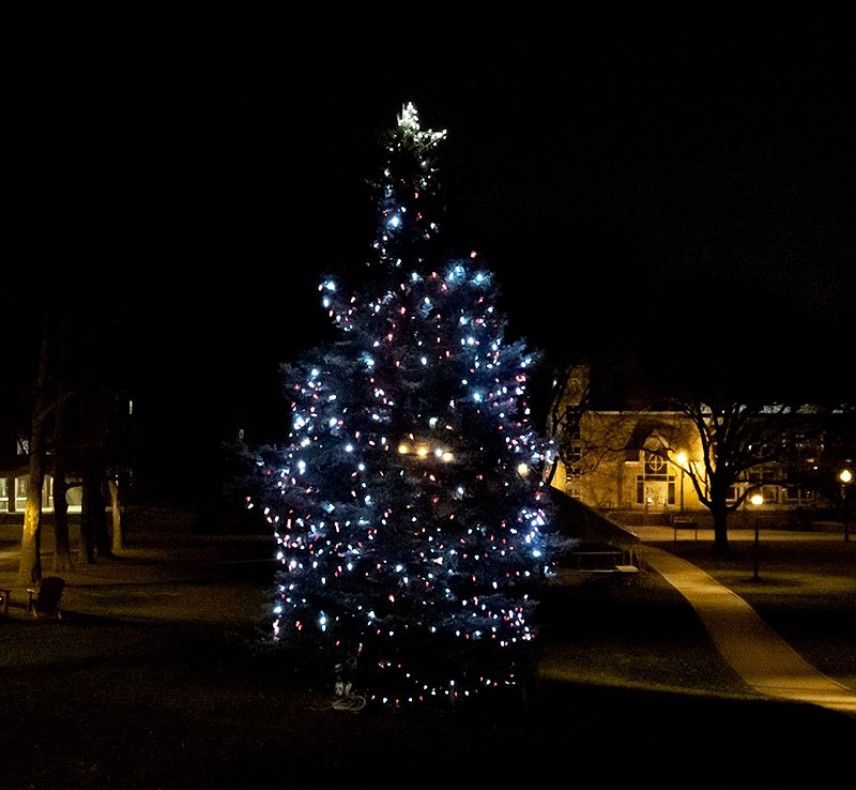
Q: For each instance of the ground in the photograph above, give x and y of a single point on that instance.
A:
(806, 588)
(159, 677)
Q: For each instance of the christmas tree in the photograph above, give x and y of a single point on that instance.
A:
(408, 505)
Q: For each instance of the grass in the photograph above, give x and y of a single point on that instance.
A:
(635, 631)
(157, 678)
(806, 591)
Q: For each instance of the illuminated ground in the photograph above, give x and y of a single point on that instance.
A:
(156, 679)
(806, 590)
(754, 650)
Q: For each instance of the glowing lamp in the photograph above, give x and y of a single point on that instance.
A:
(681, 459)
(422, 451)
(523, 469)
(447, 457)
(756, 499)
(845, 476)
(403, 448)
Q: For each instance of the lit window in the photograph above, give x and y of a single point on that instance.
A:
(796, 494)
(654, 464)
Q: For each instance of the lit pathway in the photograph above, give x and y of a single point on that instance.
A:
(759, 655)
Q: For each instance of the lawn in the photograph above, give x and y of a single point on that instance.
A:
(629, 631)
(157, 678)
(806, 590)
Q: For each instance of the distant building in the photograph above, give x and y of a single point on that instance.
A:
(612, 458)
(13, 489)
(110, 439)
(14, 475)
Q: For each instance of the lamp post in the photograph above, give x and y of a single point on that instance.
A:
(756, 500)
(845, 476)
(681, 460)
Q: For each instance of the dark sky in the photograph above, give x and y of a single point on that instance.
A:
(691, 175)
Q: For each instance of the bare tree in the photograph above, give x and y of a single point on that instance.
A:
(582, 439)
(116, 489)
(30, 565)
(736, 436)
(563, 419)
(105, 458)
(93, 522)
(62, 542)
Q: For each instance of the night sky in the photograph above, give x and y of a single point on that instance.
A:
(690, 174)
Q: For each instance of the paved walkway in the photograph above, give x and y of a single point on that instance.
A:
(759, 655)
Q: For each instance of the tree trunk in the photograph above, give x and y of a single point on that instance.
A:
(62, 554)
(10, 492)
(552, 473)
(116, 513)
(62, 547)
(99, 513)
(102, 529)
(90, 510)
(30, 567)
(720, 529)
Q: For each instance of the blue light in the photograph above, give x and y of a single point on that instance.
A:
(455, 273)
(329, 527)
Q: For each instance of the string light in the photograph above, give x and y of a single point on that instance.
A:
(384, 544)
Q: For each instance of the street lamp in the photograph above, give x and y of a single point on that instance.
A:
(756, 500)
(845, 476)
(681, 461)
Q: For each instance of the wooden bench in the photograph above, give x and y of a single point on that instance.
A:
(680, 522)
(45, 599)
(604, 559)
